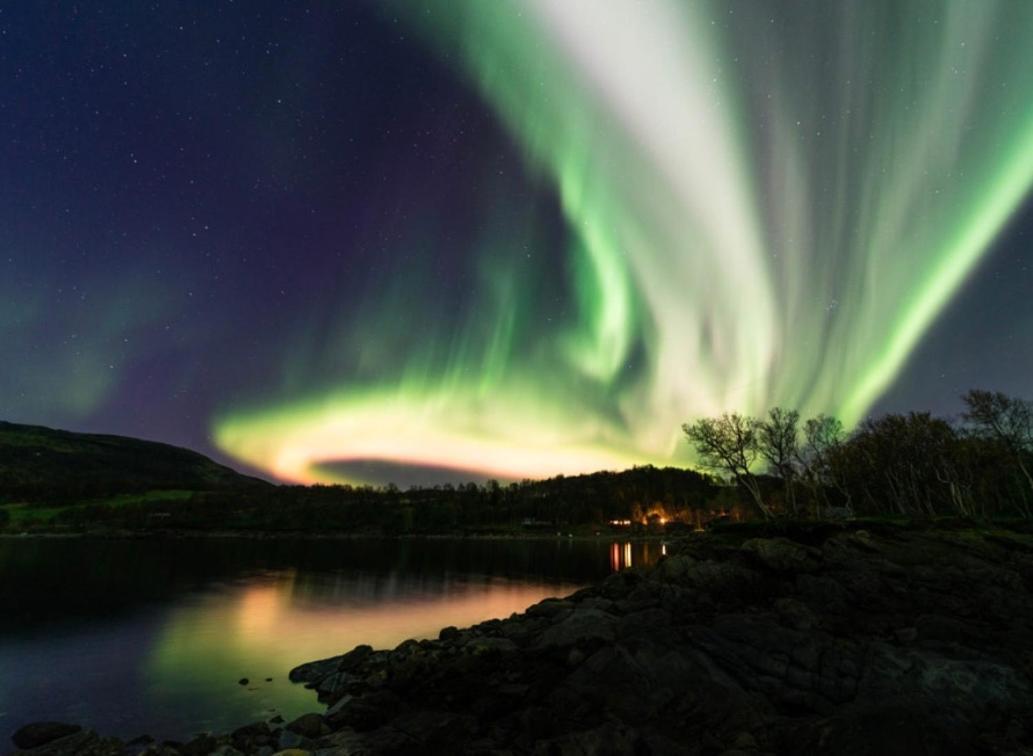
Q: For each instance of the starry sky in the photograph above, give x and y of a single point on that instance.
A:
(438, 239)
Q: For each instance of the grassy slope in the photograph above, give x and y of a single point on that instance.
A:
(23, 514)
(41, 464)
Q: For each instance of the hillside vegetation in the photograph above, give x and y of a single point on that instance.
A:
(45, 466)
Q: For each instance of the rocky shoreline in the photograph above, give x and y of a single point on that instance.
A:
(824, 639)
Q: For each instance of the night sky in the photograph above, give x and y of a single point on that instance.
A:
(368, 241)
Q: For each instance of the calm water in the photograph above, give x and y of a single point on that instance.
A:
(135, 637)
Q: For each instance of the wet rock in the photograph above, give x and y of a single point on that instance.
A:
(830, 641)
(783, 555)
(432, 728)
(40, 733)
(580, 626)
(307, 725)
(522, 629)
(906, 634)
(287, 740)
(168, 748)
(226, 750)
(615, 680)
(598, 602)
(250, 738)
(81, 743)
(796, 614)
(675, 567)
(606, 740)
(334, 685)
(491, 646)
(723, 581)
(550, 608)
(314, 672)
(894, 726)
(334, 708)
(643, 622)
(365, 712)
(199, 746)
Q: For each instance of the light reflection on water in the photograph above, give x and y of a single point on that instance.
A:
(635, 554)
(266, 627)
(133, 637)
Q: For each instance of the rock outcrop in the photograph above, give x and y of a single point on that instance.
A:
(827, 640)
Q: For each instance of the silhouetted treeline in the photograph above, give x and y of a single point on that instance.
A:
(979, 465)
(916, 465)
(549, 504)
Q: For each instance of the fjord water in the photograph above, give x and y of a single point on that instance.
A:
(152, 636)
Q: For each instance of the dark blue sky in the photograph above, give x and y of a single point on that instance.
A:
(185, 188)
(192, 195)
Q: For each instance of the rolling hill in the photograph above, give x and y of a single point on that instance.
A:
(42, 464)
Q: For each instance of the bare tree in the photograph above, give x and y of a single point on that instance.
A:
(729, 443)
(778, 443)
(1007, 420)
(823, 439)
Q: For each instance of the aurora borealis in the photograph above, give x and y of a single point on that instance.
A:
(510, 239)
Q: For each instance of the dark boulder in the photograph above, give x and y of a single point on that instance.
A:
(822, 640)
(40, 733)
(579, 626)
(307, 725)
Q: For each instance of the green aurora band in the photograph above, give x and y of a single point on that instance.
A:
(768, 204)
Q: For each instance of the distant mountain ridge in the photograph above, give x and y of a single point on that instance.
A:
(38, 463)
